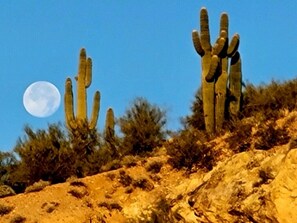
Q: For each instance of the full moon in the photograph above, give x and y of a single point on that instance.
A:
(41, 99)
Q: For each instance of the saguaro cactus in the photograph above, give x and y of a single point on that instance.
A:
(214, 69)
(109, 125)
(235, 85)
(204, 48)
(83, 80)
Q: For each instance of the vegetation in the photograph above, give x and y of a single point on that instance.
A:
(188, 150)
(215, 62)
(4, 209)
(142, 127)
(57, 153)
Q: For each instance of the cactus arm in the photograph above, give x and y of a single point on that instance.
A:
(211, 76)
(235, 84)
(224, 22)
(68, 104)
(197, 43)
(219, 46)
(81, 90)
(109, 124)
(204, 30)
(88, 79)
(95, 111)
(233, 46)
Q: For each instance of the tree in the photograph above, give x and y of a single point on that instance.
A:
(143, 127)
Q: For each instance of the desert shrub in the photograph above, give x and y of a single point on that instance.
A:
(240, 139)
(188, 150)
(86, 144)
(125, 179)
(37, 186)
(50, 207)
(267, 136)
(143, 183)
(5, 209)
(196, 118)
(143, 127)
(154, 167)
(77, 183)
(6, 191)
(78, 192)
(8, 163)
(17, 219)
(130, 160)
(110, 205)
(266, 100)
(111, 165)
(9, 172)
(45, 155)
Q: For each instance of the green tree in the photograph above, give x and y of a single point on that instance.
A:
(143, 127)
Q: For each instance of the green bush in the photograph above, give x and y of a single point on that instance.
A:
(143, 127)
(267, 100)
(188, 150)
(267, 136)
(45, 155)
(196, 119)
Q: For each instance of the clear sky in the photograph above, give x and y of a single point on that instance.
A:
(139, 48)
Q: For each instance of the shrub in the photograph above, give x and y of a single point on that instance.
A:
(196, 119)
(267, 136)
(4, 209)
(241, 137)
(8, 163)
(37, 186)
(18, 219)
(45, 155)
(6, 191)
(154, 167)
(110, 205)
(267, 100)
(78, 192)
(188, 150)
(143, 184)
(142, 127)
(125, 179)
(86, 145)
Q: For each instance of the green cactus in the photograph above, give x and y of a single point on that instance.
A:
(235, 85)
(109, 125)
(83, 79)
(214, 69)
(204, 49)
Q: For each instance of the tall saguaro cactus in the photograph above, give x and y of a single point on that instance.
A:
(83, 80)
(204, 48)
(214, 61)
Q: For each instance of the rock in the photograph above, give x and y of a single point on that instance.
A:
(257, 186)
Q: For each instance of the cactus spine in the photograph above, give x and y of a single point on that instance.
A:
(83, 80)
(214, 60)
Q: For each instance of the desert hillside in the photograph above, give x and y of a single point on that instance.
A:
(251, 186)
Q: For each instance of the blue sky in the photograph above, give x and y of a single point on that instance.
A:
(139, 48)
